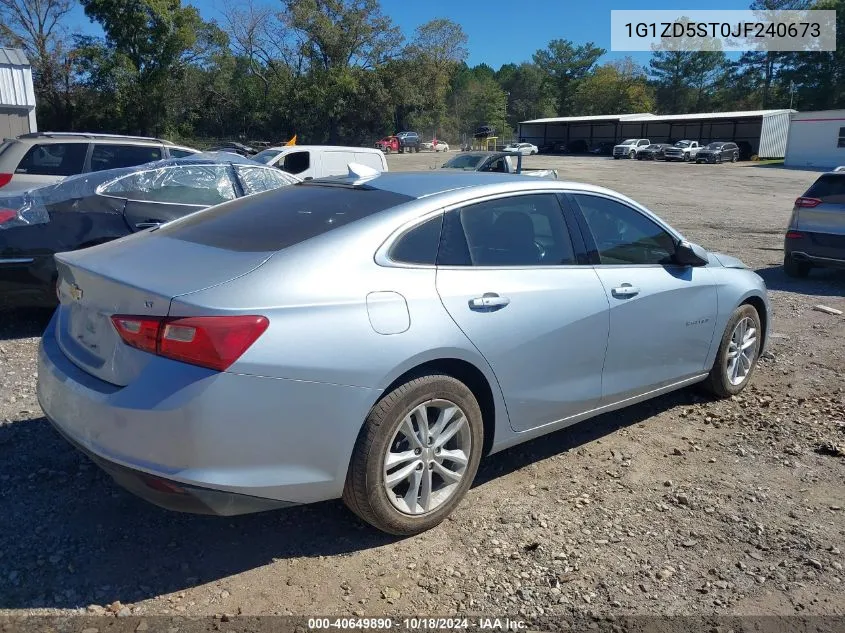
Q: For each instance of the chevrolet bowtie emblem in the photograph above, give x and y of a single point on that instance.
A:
(75, 292)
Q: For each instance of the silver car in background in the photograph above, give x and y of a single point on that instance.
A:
(815, 236)
(371, 337)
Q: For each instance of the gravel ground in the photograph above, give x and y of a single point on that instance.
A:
(681, 505)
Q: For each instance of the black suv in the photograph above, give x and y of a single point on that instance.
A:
(409, 141)
(718, 152)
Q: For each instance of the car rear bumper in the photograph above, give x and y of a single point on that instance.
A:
(201, 441)
(820, 249)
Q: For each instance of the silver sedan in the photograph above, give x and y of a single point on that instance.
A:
(371, 337)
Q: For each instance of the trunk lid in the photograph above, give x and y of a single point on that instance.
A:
(137, 275)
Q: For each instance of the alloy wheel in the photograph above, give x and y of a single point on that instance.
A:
(427, 457)
(742, 351)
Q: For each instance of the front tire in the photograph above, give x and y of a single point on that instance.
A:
(737, 355)
(416, 455)
(631, 154)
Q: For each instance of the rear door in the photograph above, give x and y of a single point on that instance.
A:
(335, 163)
(825, 222)
(662, 315)
(156, 196)
(507, 273)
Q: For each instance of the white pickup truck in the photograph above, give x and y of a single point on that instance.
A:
(682, 150)
(630, 147)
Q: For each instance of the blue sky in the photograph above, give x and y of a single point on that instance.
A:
(500, 31)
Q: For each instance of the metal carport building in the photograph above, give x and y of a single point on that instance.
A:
(765, 131)
(17, 94)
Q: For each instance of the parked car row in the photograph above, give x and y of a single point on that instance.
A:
(682, 151)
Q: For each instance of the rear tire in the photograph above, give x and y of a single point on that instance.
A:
(397, 510)
(738, 353)
(794, 268)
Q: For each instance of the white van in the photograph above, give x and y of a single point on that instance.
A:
(318, 161)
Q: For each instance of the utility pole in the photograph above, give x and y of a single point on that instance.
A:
(791, 93)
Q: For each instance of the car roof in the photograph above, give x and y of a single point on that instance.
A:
(282, 148)
(87, 137)
(423, 184)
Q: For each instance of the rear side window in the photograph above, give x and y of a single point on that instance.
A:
(281, 218)
(54, 159)
(113, 156)
(419, 245)
(828, 188)
(841, 141)
(258, 179)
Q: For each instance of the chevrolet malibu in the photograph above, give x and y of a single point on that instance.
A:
(372, 336)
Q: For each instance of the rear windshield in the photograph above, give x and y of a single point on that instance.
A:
(829, 188)
(277, 219)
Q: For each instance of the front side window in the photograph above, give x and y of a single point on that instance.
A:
(841, 141)
(54, 159)
(114, 156)
(180, 153)
(527, 230)
(623, 235)
(257, 179)
(201, 185)
(296, 162)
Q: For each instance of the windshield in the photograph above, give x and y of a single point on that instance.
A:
(266, 156)
(629, 141)
(463, 162)
(682, 144)
(715, 146)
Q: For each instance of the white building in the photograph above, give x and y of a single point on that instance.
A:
(816, 139)
(760, 132)
(17, 94)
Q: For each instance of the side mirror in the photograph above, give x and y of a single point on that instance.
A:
(689, 254)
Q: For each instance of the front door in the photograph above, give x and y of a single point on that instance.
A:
(508, 277)
(662, 315)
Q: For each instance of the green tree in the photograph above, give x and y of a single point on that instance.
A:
(619, 87)
(819, 76)
(565, 64)
(529, 94)
(148, 46)
(684, 79)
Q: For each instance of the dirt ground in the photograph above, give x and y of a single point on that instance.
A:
(681, 505)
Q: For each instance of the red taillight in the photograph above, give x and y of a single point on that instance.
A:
(794, 235)
(214, 342)
(5, 179)
(140, 332)
(807, 203)
(7, 214)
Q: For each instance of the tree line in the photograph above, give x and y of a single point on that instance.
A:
(340, 71)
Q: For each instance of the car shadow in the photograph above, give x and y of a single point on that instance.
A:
(821, 282)
(23, 322)
(70, 537)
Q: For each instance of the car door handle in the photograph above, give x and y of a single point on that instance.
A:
(488, 302)
(147, 225)
(625, 290)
